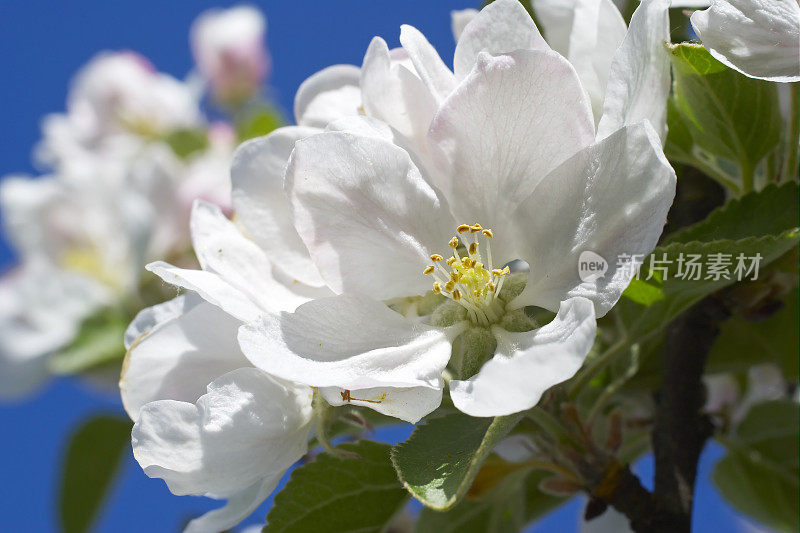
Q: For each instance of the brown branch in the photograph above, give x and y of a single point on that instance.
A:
(679, 435)
(681, 428)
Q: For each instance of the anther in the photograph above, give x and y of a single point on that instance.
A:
(466, 261)
(456, 295)
(476, 228)
(463, 228)
(488, 233)
(449, 285)
(436, 257)
(428, 270)
(450, 261)
(453, 243)
(437, 289)
(473, 248)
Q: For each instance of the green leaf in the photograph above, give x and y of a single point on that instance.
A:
(666, 299)
(185, 142)
(94, 455)
(742, 343)
(729, 115)
(759, 476)
(763, 222)
(441, 458)
(679, 143)
(99, 341)
(259, 123)
(516, 501)
(772, 211)
(332, 494)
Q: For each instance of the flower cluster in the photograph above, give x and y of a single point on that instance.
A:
(331, 286)
(431, 236)
(127, 159)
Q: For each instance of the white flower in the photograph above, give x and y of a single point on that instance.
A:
(228, 47)
(514, 148)
(116, 93)
(759, 38)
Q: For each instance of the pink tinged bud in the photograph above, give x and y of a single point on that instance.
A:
(230, 53)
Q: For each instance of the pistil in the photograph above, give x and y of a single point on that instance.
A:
(469, 280)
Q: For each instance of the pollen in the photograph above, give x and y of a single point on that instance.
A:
(471, 279)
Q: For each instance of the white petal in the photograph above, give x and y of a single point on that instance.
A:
(261, 204)
(511, 121)
(239, 506)
(212, 287)
(409, 404)
(556, 18)
(759, 38)
(27, 208)
(178, 358)
(639, 82)
(611, 199)
(326, 95)
(153, 316)
(459, 19)
(429, 66)
(366, 214)
(526, 364)
(394, 94)
(223, 250)
(690, 3)
(247, 428)
(348, 342)
(501, 27)
(597, 31)
(41, 311)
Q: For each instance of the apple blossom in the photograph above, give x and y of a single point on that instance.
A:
(116, 93)
(228, 48)
(514, 148)
(759, 38)
(108, 207)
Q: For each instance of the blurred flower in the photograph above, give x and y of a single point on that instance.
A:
(759, 38)
(119, 196)
(116, 94)
(228, 47)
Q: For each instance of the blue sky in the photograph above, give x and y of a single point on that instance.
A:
(43, 44)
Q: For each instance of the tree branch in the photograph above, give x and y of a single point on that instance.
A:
(681, 428)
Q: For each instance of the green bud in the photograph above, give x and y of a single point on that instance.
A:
(429, 303)
(470, 350)
(517, 321)
(513, 286)
(447, 314)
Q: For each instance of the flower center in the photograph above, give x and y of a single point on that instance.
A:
(469, 280)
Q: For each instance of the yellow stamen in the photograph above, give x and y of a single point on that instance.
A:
(473, 248)
(463, 228)
(428, 270)
(436, 257)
